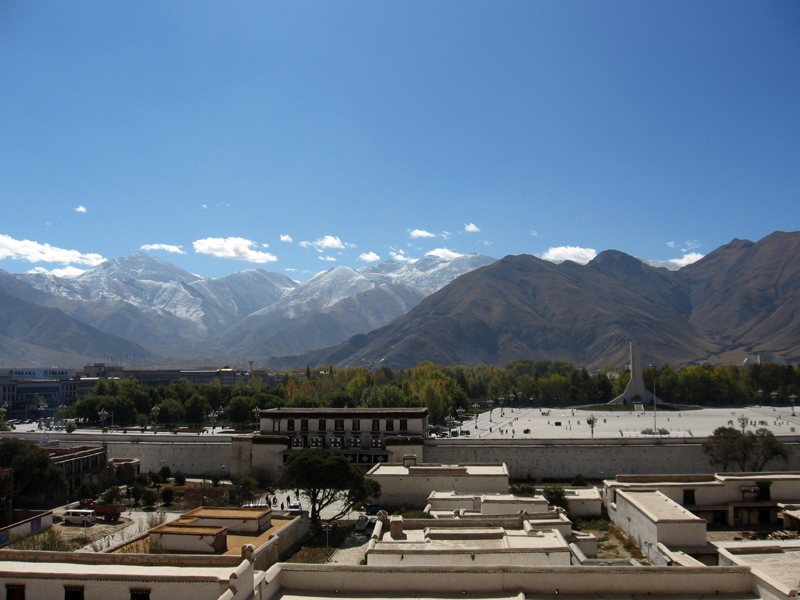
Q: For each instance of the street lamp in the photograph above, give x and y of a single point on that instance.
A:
(156, 409)
(449, 420)
(327, 527)
(774, 397)
(460, 412)
(760, 395)
(212, 416)
(490, 403)
(257, 415)
(102, 414)
(793, 399)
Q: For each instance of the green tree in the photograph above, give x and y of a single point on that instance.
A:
(750, 451)
(149, 497)
(196, 409)
(324, 477)
(240, 410)
(35, 477)
(167, 494)
(170, 412)
(556, 496)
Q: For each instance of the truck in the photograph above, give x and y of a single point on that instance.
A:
(109, 512)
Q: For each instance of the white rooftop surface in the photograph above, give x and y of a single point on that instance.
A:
(116, 570)
(615, 424)
(782, 564)
(659, 506)
(417, 539)
(426, 470)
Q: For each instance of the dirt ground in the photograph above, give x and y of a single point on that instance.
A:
(79, 536)
(612, 543)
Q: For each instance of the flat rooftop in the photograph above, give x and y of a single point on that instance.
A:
(659, 506)
(427, 470)
(432, 539)
(205, 512)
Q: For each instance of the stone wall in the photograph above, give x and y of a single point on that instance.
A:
(596, 459)
(193, 460)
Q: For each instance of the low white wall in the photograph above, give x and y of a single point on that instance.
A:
(507, 558)
(26, 527)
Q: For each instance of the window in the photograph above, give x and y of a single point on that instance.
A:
(73, 592)
(688, 498)
(290, 425)
(376, 425)
(322, 425)
(303, 424)
(276, 425)
(389, 425)
(356, 425)
(338, 425)
(140, 594)
(15, 591)
(297, 442)
(403, 424)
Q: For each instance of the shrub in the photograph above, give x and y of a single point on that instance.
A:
(579, 480)
(111, 495)
(168, 494)
(165, 473)
(149, 498)
(180, 478)
(70, 427)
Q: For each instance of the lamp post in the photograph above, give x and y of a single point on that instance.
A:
(212, 416)
(42, 407)
(327, 527)
(793, 399)
(760, 395)
(103, 413)
(501, 400)
(460, 412)
(257, 416)
(490, 403)
(156, 409)
(774, 397)
(449, 420)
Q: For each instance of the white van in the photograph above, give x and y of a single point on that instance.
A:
(81, 517)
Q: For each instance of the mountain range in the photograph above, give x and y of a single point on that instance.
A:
(153, 312)
(741, 300)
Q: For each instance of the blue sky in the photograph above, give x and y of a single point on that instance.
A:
(298, 136)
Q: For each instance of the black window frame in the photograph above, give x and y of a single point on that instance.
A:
(376, 424)
(73, 592)
(356, 424)
(338, 425)
(403, 424)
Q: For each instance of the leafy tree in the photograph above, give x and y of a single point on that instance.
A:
(35, 476)
(70, 427)
(750, 451)
(180, 478)
(196, 409)
(324, 477)
(240, 410)
(727, 445)
(111, 495)
(165, 473)
(171, 412)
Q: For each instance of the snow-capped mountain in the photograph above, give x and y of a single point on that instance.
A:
(175, 313)
(431, 273)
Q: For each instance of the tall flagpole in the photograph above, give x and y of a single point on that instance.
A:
(655, 404)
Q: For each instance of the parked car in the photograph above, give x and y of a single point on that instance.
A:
(295, 506)
(373, 509)
(81, 517)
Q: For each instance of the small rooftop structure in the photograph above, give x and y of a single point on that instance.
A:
(410, 484)
(451, 503)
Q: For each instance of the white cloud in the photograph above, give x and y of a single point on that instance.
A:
(401, 257)
(445, 235)
(35, 252)
(690, 245)
(290, 269)
(674, 264)
(369, 257)
(671, 244)
(573, 253)
(232, 247)
(471, 228)
(418, 233)
(328, 258)
(204, 206)
(66, 272)
(286, 238)
(487, 243)
(166, 247)
(81, 209)
(444, 253)
(327, 242)
(534, 233)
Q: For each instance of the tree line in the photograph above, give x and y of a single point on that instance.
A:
(442, 389)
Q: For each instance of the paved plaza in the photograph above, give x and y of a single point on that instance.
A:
(560, 423)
